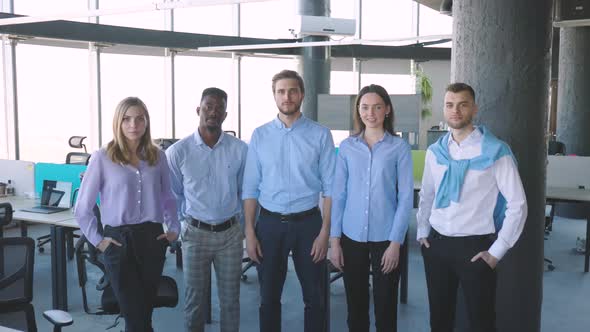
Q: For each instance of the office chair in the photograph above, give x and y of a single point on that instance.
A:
(74, 158)
(231, 132)
(5, 216)
(556, 148)
(167, 295)
(77, 158)
(165, 143)
(176, 246)
(548, 229)
(16, 287)
(245, 268)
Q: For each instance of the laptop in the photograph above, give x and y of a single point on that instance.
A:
(55, 197)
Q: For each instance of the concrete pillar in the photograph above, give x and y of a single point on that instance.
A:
(502, 49)
(573, 100)
(315, 61)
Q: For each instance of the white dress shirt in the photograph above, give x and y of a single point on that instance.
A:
(473, 214)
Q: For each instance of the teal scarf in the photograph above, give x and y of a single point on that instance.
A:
(449, 189)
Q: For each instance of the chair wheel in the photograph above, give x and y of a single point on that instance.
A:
(244, 277)
(41, 249)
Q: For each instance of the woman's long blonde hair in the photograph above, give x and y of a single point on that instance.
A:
(118, 149)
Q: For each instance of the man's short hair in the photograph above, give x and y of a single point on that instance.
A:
(288, 74)
(459, 87)
(217, 92)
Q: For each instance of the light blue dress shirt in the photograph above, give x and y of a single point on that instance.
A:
(207, 181)
(287, 168)
(373, 190)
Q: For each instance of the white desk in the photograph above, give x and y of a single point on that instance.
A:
(59, 222)
(64, 218)
(578, 196)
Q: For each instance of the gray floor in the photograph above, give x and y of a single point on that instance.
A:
(565, 304)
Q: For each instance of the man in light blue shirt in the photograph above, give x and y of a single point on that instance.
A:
(207, 169)
(290, 162)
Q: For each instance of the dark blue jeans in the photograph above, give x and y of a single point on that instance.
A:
(278, 238)
(134, 271)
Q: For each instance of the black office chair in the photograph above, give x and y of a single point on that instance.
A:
(231, 132)
(176, 246)
(16, 287)
(78, 158)
(556, 148)
(548, 229)
(167, 295)
(5, 216)
(165, 143)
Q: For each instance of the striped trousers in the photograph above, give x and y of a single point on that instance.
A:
(224, 250)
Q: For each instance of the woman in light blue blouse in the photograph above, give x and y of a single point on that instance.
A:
(132, 177)
(371, 203)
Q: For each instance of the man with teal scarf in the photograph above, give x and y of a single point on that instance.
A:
(472, 211)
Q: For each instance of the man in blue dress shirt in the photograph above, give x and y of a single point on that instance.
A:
(290, 162)
(207, 168)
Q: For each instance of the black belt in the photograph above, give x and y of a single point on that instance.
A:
(212, 228)
(291, 216)
(436, 235)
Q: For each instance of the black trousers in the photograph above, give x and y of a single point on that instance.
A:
(277, 239)
(447, 264)
(359, 257)
(134, 271)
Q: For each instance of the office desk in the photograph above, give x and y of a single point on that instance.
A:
(59, 222)
(578, 196)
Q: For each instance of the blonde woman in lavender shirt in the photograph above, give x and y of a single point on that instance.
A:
(131, 176)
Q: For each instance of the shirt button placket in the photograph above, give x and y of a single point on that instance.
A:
(138, 186)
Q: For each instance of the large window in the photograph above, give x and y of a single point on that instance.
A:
(257, 17)
(193, 75)
(53, 100)
(140, 19)
(393, 75)
(214, 20)
(435, 23)
(44, 8)
(343, 9)
(138, 76)
(258, 105)
(387, 19)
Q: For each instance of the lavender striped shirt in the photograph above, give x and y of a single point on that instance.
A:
(128, 195)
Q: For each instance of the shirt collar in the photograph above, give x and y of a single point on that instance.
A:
(386, 137)
(279, 124)
(473, 138)
(199, 139)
